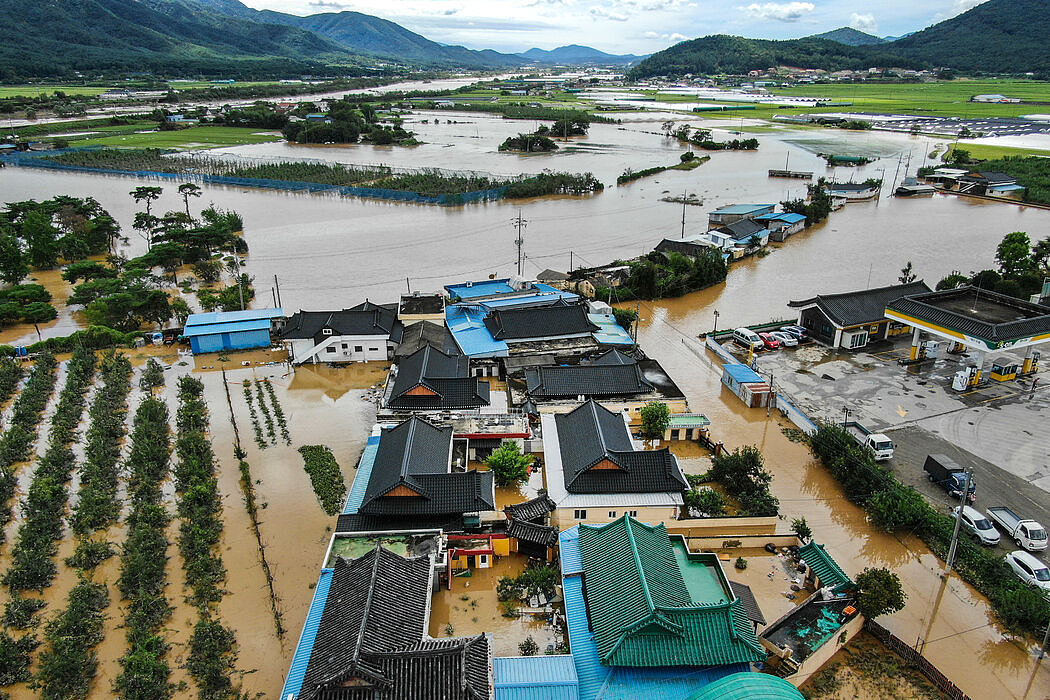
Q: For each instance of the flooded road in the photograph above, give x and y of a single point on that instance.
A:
(332, 253)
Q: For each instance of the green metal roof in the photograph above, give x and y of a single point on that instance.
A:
(748, 686)
(823, 565)
(640, 608)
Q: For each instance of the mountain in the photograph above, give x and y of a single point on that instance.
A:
(997, 36)
(56, 37)
(577, 55)
(849, 36)
(372, 36)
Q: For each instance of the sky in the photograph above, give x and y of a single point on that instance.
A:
(631, 26)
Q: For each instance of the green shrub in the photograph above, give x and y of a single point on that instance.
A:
(325, 476)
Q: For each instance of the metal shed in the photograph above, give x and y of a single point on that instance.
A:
(220, 331)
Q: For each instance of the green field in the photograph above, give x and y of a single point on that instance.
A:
(189, 139)
(37, 90)
(986, 152)
(197, 84)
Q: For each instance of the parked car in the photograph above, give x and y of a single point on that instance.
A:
(747, 339)
(1024, 532)
(786, 339)
(769, 341)
(797, 331)
(1029, 569)
(974, 522)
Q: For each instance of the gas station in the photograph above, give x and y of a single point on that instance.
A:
(978, 322)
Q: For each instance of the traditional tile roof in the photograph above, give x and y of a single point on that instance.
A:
(533, 532)
(747, 597)
(418, 335)
(550, 321)
(748, 686)
(372, 635)
(442, 381)
(989, 316)
(609, 375)
(640, 608)
(825, 568)
(532, 509)
(990, 177)
(860, 307)
(364, 319)
(669, 245)
(598, 456)
(411, 475)
(743, 229)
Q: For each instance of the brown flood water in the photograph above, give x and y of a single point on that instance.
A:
(331, 252)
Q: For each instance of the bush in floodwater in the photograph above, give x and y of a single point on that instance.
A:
(325, 477)
(90, 553)
(152, 375)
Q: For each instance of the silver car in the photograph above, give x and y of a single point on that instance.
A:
(1029, 569)
(974, 522)
(786, 339)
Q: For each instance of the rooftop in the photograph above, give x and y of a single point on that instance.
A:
(430, 379)
(826, 568)
(748, 686)
(549, 677)
(995, 319)
(863, 306)
(806, 628)
(261, 324)
(742, 230)
(212, 317)
(364, 319)
(741, 208)
(558, 319)
(611, 374)
(467, 325)
(420, 304)
(788, 216)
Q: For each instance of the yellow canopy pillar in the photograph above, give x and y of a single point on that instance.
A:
(916, 335)
(1031, 361)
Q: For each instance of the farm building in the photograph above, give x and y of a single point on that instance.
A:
(219, 331)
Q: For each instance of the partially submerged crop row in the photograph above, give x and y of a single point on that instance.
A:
(278, 412)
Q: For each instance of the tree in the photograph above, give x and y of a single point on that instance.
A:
(208, 271)
(187, 190)
(952, 281)
(879, 593)
(529, 647)
(801, 528)
(1014, 254)
(625, 318)
(1041, 253)
(180, 310)
(655, 419)
(708, 501)
(41, 240)
(146, 194)
(38, 312)
(146, 224)
(907, 276)
(509, 466)
(13, 268)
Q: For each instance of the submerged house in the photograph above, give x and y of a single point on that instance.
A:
(431, 380)
(364, 333)
(991, 184)
(735, 212)
(554, 321)
(596, 472)
(222, 331)
(853, 319)
(365, 638)
(782, 225)
(413, 475)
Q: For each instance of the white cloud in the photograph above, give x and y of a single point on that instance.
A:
(673, 38)
(864, 23)
(779, 11)
(602, 13)
(960, 6)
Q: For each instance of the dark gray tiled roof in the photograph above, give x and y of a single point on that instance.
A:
(865, 306)
(362, 522)
(668, 245)
(743, 229)
(1005, 318)
(604, 377)
(415, 455)
(530, 510)
(418, 335)
(533, 532)
(848, 186)
(554, 320)
(373, 634)
(448, 376)
(364, 319)
(591, 434)
(989, 177)
(747, 598)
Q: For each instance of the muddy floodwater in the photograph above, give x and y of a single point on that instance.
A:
(331, 252)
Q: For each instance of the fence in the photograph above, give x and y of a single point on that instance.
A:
(898, 646)
(35, 161)
(795, 415)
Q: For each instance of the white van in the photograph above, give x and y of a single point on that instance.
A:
(747, 338)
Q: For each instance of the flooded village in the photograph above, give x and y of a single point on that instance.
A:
(451, 459)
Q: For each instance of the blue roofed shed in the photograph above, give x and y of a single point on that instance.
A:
(535, 678)
(746, 383)
(219, 331)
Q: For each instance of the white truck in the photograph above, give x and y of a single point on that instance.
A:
(880, 444)
(1026, 533)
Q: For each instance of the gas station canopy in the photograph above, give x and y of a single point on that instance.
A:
(977, 318)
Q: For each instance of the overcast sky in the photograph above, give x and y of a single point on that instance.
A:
(630, 26)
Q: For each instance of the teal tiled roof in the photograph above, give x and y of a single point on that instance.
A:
(823, 565)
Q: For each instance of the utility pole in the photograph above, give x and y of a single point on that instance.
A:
(240, 288)
(958, 524)
(278, 287)
(1046, 638)
(274, 293)
(519, 241)
(570, 261)
(409, 285)
(683, 213)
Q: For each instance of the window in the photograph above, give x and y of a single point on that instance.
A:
(579, 514)
(612, 515)
(483, 560)
(345, 346)
(326, 331)
(357, 348)
(632, 513)
(373, 349)
(330, 348)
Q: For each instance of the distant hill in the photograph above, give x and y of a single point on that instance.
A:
(574, 54)
(56, 37)
(998, 36)
(850, 37)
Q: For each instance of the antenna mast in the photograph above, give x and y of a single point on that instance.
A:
(519, 241)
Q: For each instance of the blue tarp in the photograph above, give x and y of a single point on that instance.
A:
(467, 325)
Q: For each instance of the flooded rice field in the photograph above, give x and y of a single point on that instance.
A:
(330, 252)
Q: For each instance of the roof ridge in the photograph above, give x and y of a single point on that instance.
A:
(638, 563)
(368, 603)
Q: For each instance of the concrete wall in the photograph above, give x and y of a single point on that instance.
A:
(634, 408)
(374, 348)
(716, 527)
(815, 661)
(564, 518)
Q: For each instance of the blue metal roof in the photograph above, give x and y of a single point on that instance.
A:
(364, 473)
(569, 549)
(469, 290)
(742, 374)
(539, 296)
(667, 683)
(589, 670)
(741, 208)
(262, 324)
(294, 682)
(467, 325)
(610, 332)
(788, 216)
(535, 678)
(211, 317)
